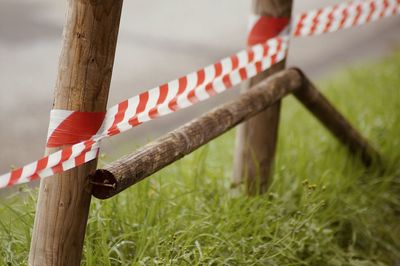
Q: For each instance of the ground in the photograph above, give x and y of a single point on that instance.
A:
(323, 208)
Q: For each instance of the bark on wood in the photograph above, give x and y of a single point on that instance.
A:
(132, 168)
(256, 139)
(84, 75)
(334, 121)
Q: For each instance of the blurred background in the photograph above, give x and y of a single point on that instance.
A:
(158, 41)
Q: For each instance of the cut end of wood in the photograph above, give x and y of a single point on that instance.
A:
(104, 184)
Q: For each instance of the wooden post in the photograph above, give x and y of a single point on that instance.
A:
(84, 75)
(256, 139)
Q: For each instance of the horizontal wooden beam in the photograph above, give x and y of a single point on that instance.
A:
(156, 155)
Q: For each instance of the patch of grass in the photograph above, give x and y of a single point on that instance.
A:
(323, 208)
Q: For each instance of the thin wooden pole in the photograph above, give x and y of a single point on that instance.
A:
(84, 75)
(256, 139)
(335, 122)
(132, 168)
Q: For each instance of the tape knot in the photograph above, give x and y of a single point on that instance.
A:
(263, 28)
(71, 127)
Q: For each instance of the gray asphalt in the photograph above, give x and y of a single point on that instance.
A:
(159, 41)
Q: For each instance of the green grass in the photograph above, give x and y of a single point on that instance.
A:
(324, 207)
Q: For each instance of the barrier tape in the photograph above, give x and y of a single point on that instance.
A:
(70, 127)
(342, 16)
(88, 129)
(162, 100)
(263, 28)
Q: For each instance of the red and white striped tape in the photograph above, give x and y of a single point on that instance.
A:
(342, 16)
(263, 28)
(159, 101)
(68, 127)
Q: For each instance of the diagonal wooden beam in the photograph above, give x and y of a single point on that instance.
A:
(335, 122)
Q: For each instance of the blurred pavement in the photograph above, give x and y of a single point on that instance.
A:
(158, 41)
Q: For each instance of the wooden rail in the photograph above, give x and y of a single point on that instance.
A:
(147, 160)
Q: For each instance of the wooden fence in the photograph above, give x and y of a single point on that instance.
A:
(90, 37)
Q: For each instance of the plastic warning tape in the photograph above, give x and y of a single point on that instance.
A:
(162, 100)
(342, 16)
(85, 130)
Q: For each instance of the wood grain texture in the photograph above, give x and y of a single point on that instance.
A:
(256, 139)
(84, 75)
(132, 168)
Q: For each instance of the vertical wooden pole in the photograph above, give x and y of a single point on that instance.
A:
(84, 75)
(256, 139)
